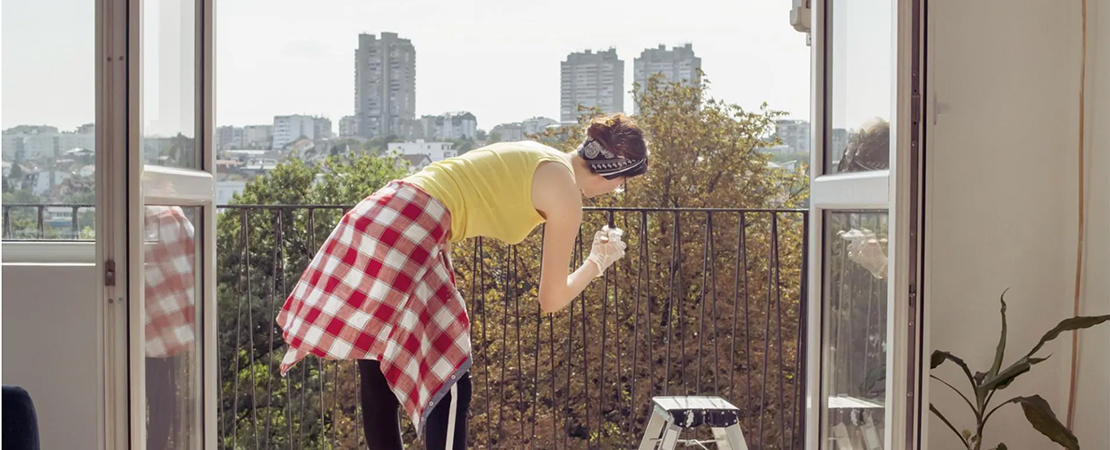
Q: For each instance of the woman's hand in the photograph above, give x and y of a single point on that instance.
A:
(866, 250)
(607, 248)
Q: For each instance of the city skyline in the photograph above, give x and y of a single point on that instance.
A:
(500, 61)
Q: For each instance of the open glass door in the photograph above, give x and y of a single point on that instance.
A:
(171, 223)
(862, 387)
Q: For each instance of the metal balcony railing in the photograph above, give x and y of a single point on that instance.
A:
(706, 302)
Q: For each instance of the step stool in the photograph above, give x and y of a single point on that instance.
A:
(671, 415)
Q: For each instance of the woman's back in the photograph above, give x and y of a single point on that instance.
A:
(489, 190)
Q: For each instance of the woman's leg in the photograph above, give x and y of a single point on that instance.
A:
(161, 399)
(454, 406)
(380, 419)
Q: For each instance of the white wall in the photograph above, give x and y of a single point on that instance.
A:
(1001, 204)
(53, 347)
(1093, 406)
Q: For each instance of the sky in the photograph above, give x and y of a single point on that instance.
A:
(498, 59)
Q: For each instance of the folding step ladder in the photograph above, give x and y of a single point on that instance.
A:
(671, 415)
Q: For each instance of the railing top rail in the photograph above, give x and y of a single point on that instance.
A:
(323, 206)
(587, 208)
(50, 205)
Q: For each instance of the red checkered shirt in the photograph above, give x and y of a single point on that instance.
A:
(169, 261)
(381, 288)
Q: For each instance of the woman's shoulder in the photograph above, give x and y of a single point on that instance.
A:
(520, 146)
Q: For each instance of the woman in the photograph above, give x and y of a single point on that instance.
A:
(381, 289)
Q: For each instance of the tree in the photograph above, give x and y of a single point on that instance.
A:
(481, 135)
(705, 153)
(571, 376)
(494, 138)
(261, 253)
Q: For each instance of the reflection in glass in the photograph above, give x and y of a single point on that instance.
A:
(169, 83)
(860, 68)
(49, 106)
(172, 372)
(855, 306)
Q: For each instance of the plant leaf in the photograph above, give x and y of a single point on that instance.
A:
(1004, 378)
(1000, 351)
(938, 358)
(946, 422)
(1071, 324)
(1001, 446)
(1040, 415)
(979, 377)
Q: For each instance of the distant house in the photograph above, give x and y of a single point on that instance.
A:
(418, 162)
(435, 151)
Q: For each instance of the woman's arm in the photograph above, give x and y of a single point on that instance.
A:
(558, 197)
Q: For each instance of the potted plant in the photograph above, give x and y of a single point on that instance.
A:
(984, 386)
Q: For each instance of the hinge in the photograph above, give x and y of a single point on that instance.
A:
(109, 273)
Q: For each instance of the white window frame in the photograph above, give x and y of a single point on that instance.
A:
(888, 190)
(125, 186)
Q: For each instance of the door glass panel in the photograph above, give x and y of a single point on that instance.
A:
(855, 341)
(170, 276)
(169, 83)
(49, 110)
(859, 77)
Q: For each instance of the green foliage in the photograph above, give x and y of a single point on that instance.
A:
(985, 385)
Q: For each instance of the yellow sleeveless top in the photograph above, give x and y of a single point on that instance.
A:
(489, 190)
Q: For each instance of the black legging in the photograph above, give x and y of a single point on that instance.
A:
(381, 419)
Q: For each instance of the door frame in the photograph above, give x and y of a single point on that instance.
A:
(898, 191)
(123, 190)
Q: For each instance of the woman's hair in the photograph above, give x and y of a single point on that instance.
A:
(619, 135)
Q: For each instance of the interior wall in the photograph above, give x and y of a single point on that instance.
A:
(1093, 405)
(52, 347)
(1001, 204)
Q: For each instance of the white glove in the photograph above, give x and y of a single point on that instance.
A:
(607, 248)
(867, 251)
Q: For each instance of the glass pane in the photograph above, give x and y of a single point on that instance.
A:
(859, 74)
(171, 257)
(169, 83)
(49, 135)
(855, 305)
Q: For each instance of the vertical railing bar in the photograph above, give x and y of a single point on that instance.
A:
(270, 332)
(485, 336)
(504, 345)
(778, 326)
(334, 404)
(701, 297)
(735, 310)
(238, 335)
(620, 322)
(747, 314)
(75, 226)
(321, 372)
(570, 342)
(519, 352)
(604, 335)
(288, 380)
(250, 326)
(766, 336)
(714, 313)
(536, 360)
(41, 221)
(7, 222)
(643, 243)
(586, 368)
(803, 314)
(681, 305)
(668, 316)
(304, 367)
